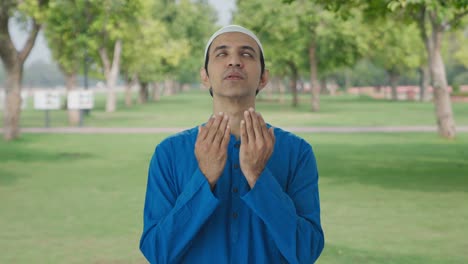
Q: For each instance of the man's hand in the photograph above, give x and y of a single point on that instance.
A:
(211, 147)
(257, 143)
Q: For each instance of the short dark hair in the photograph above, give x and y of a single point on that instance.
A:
(262, 61)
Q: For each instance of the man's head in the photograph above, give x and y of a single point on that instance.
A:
(234, 28)
(234, 49)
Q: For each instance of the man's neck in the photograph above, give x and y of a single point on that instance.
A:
(234, 108)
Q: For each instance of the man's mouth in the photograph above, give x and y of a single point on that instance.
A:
(234, 76)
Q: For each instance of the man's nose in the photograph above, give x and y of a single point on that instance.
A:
(235, 61)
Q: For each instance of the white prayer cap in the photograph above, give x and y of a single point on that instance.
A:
(232, 28)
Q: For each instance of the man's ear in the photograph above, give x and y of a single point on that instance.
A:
(204, 78)
(264, 80)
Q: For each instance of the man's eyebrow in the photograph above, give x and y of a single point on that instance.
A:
(248, 48)
(220, 48)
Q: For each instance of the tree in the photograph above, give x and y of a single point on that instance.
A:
(65, 30)
(110, 22)
(334, 43)
(193, 22)
(164, 44)
(395, 47)
(190, 22)
(434, 18)
(277, 27)
(31, 12)
(304, 37)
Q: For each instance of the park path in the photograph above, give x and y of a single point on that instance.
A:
(155, 130)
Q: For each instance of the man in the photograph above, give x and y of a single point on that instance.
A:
(234, 190)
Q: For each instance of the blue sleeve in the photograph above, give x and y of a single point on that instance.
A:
(171, 221)
(293, 217)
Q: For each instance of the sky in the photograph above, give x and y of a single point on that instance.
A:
(41, 52)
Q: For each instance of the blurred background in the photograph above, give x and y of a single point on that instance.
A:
(88, 88)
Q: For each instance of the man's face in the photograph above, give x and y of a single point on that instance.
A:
(234, 68)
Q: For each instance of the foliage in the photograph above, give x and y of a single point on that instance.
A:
(31, 9)
(340, 42)
(189, 23)
(278, 30)
(395, 46)
(66, 33)
(148, 47)
(287, 30)
(461, 40)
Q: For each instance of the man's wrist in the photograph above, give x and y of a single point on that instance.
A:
(251, 178)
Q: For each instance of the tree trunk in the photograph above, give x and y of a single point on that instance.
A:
(424, 81)
(315, 87)
(178, 87)
(144, 93)
(13, 61)
(128, 93)
(323, 86)
(270, 87)
(156, 92)
(393, 78)
(293, 84)
(12, 110)
(443, 105)
(282, 91)
(128, 90)
(73, 114)
(168, 87)
(111, 72)
(347, 79)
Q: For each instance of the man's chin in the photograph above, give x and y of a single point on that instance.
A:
(234, 94)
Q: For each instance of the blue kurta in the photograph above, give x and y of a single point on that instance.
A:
(278, 221)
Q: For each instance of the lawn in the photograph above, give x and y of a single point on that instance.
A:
(386, 198)
(191, 108)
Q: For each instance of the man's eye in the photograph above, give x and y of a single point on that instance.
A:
(221, 54)
(246, 54)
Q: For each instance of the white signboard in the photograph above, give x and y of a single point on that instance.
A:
(47, 100)
(24, 99)
(81, 99)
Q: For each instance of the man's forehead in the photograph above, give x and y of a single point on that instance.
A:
(234, 40)
(232, 29)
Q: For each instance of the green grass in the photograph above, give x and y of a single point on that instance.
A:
(191, 108)
(386, 198)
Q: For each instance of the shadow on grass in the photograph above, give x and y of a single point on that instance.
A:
(419, 167)
(19, 154)
(34, 155)
(339, 254)
(8, 177)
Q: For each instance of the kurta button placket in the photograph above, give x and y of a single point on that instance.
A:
(234, 215)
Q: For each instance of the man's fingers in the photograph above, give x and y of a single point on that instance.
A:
(271, 131)
(203, 130)
(220, 133)
(226, 138)
(248, 126)
(263, 126)
(255, 124)
(214, 127)
(243, 133)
